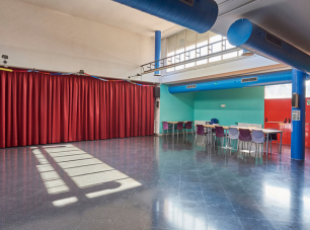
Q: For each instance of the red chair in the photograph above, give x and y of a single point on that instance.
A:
(180, 127)
(200, 131)
(165, 127)
(245, 137)
(219, 133)
(189, 126)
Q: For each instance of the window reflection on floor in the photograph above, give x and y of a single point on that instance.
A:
(52, 181)
(181, 219)
(83, 169)
(278, 196)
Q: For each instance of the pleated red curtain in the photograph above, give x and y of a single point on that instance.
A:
(40, 109)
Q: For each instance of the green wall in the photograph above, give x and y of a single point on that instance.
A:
(175, 107)
(244, 105)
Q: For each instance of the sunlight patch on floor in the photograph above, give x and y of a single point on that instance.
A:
(51, 179)
(64, 202)
(87, 171)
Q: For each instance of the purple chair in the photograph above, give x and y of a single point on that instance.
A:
(233, 134)
(258, 138)
(245, 137)
(219, 133)
(165, 127)
(188, 126)
(200, 131)
(180, 127)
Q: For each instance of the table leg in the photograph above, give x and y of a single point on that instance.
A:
(211, 136)
(267, 144)
(280, 143)
(226, 138)
(173, 130)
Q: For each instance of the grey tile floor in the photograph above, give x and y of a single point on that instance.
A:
(150, 183)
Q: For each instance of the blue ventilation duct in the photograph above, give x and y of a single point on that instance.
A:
(282, 77)
(198, 15)
(250, 36)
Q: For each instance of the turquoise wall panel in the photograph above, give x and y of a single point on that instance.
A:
(244, 105)
(175, 107)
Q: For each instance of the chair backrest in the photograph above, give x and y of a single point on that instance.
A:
(245, 135)
(200, 130)
(165, 125)
(219, 131)
(188, 125)
(214, 121)
(258, 136)
(180, 125)
(233, 133)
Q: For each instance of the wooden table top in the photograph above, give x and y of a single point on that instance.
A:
(175, 122)
(266, 131)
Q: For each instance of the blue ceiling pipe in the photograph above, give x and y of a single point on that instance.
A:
(250, 36)
(282, 77)
(197, 15)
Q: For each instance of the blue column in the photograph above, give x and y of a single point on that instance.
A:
(298, 126)
(157, 49)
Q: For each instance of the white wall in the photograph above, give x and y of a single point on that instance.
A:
(37, 37)
(219, 68)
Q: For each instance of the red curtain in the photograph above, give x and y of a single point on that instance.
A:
(40, 109)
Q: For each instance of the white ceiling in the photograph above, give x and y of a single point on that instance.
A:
(289, 19)
(108, 12)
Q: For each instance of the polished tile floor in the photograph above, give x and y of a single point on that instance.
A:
(150, 183)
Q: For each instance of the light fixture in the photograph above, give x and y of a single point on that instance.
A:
(246, 53)
(137, 75)
(5, 57)
(223, 105)
(81, 72)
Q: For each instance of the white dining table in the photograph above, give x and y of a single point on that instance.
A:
(267, 132)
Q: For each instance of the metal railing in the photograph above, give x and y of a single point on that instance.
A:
(188, 57)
